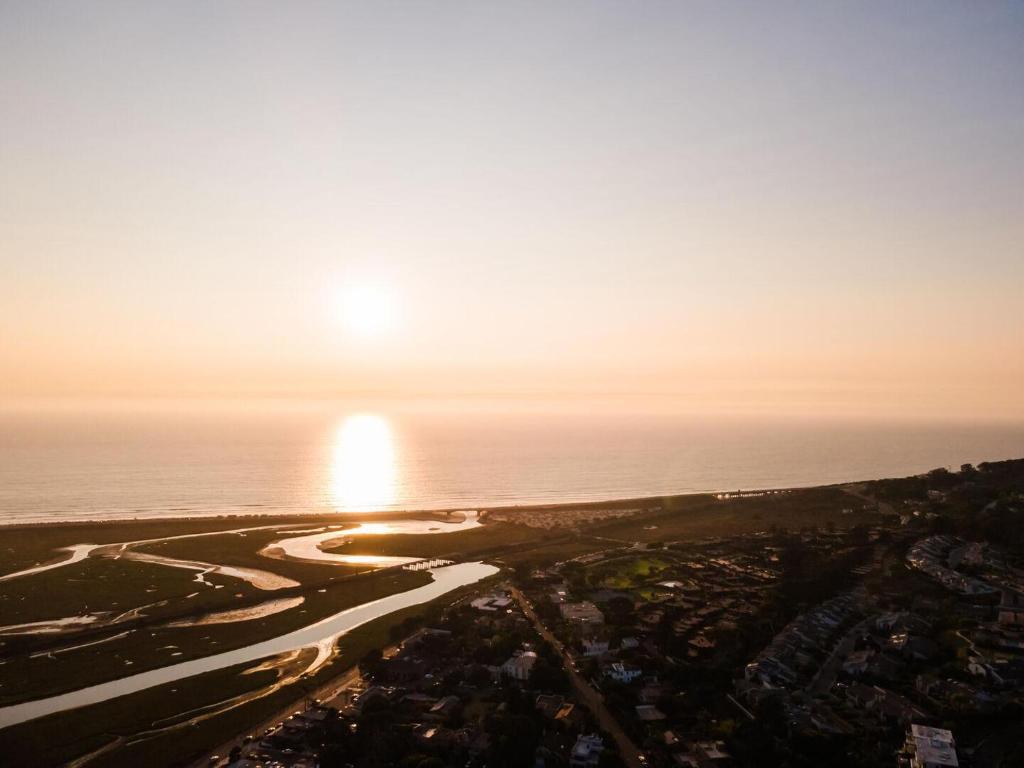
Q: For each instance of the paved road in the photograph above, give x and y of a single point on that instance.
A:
(584, 690)
(332, 694)
(829, 671)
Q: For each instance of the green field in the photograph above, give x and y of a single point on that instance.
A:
(705, 516)
(460, 544)
(628, 572)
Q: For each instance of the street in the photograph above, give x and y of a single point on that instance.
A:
(588, 696)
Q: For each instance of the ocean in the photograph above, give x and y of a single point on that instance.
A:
(99, 461)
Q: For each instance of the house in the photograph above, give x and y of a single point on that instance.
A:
(702, 643)
(649, 713)
(857, 662)
(520, 665)
(424, 635)
(930, 748)
(418, 701)
(594, 647)
(560, 595)
(582, 613)
(492, 603)
(402, 670)
(445, 708)
(371, 693)
(586, 752)
(569, 716)
(623, 673)
(918, 648)
(629, 643)
(710, 753)
(652, 691)
(548, 705)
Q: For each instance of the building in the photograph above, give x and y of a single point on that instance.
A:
(425, 635)
(594, 647)
(857, 662)
(582, 613)
(586, 752)
(623, 673)
(549, 705)
(711, 753)
(649, 713)
(492, 603)
(520, 665)
(930, 748)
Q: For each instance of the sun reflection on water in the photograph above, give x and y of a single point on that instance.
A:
(363, 466)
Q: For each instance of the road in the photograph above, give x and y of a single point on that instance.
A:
(332, 694)
(586, 693)
(829, 671)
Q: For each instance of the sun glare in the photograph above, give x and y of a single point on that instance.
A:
(363, 464)
(368, 311)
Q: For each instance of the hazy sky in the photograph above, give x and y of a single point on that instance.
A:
(807, 206)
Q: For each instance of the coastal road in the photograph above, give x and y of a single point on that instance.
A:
(586, 693)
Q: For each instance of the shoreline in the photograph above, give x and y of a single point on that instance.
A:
(440, 514)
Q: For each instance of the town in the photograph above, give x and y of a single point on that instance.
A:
(898, 642)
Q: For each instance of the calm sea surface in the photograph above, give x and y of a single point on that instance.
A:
(207, 459)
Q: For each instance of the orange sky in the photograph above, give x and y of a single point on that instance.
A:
(774, 211)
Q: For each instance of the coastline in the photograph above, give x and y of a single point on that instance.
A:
(439, 514)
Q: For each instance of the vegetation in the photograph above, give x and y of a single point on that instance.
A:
(29, 677)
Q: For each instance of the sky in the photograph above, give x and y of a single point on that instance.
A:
(793, 207)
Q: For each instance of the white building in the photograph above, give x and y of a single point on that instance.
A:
(492, 603)
(583, 613)
(931, 748)
(623, 673)
(586, 752)
(520, 665)
(594, 647)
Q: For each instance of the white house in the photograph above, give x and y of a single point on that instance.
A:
(594, 647)
(586, 752)
(931, 747)
(520, 665)
(623, 673)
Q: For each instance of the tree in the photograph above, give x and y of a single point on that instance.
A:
(546, 676)
(619, 611)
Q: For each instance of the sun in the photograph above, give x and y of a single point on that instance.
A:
(368, 311)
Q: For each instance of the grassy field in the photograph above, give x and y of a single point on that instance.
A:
(26, 546)
(704, 516)
(460, 544)
(628, 572)
(99, 584)
(23, 546)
